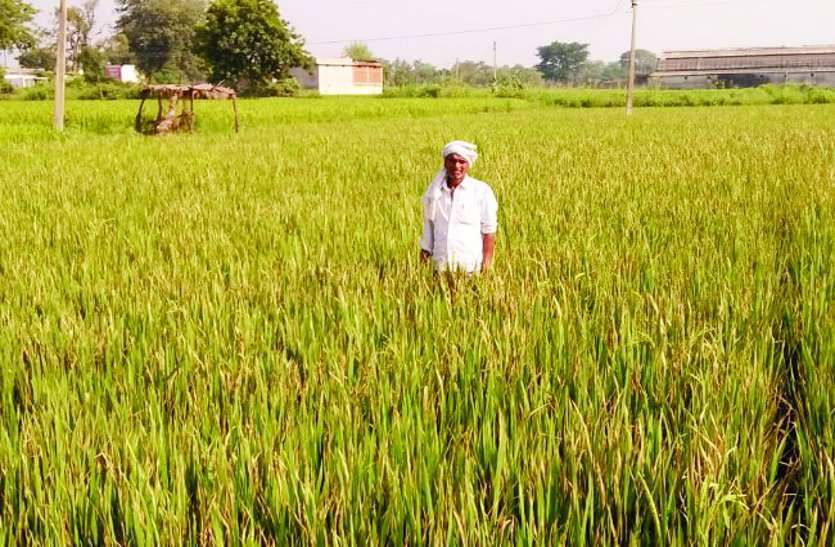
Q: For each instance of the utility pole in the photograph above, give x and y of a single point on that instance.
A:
(495, 66)
(630, 85)
(60, 68)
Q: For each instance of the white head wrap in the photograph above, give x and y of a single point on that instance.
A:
(466, 150)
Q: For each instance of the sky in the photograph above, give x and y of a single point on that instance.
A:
(459, 26)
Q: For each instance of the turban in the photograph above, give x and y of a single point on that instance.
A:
(464, 149)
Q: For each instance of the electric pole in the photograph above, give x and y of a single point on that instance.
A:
(60, 68)
(495, 66)
(630, 85)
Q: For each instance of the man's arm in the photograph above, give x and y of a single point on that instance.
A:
(426, 241)
(489, 226)
(488, 245)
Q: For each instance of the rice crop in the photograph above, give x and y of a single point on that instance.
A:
(230, 339)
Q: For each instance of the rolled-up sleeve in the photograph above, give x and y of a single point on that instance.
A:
(489, 212)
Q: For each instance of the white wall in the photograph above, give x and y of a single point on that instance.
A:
(334, 79)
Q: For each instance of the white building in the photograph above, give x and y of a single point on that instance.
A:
(122, 73)
(342, 77)
(22, 77)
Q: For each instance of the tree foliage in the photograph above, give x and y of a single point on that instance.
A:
(80, 23)
(116, 50)
(248, 44)
(15, 17)
(161, 36)
(562, 61)
(358, 51)
(37, 57)
(645, 62)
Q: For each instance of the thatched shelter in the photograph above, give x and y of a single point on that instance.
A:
(168, 120)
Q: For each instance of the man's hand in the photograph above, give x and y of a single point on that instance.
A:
(488, 245)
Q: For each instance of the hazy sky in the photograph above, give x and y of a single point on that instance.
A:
(605, 24)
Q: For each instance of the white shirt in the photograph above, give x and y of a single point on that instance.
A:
(453, 223)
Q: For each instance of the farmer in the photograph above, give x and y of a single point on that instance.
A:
(459, 215)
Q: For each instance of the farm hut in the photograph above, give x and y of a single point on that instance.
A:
(182, 97)
(342, 77)
(747, 67)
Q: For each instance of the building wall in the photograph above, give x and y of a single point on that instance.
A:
(23, 80)
(308, 79)
(344, 78)
(814, 65)
(707, 80)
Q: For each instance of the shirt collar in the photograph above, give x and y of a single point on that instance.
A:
(464, 184)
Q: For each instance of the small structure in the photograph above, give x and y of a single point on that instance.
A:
(746, 67)
(22, 77)
(122, 73)
(168, 120)
(342, 77)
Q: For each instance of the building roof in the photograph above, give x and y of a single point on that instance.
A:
(747, 60)
(345, 61)
(749, 52)
(197, 91)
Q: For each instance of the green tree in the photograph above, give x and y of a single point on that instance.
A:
(161, 36)
(613, 72)
(37, 57)
(247, 44)
(561, 61)
(590, 73)
(645, 62)
(116, 50)
(80, 23)
(15, 17)
(397, 73)
(92, 60)
(358, 51)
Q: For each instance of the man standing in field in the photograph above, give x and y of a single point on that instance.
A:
(459, 215)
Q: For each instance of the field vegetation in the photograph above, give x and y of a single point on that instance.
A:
(229, 338)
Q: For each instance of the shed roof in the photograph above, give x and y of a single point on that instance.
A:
(749, 52)
(198, 91)
(346, 61)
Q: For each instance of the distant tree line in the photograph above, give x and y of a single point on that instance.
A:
(246, 43)
(561, 63)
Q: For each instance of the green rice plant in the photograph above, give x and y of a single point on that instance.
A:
(220, 338)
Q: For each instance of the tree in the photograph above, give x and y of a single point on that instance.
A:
(161, 36)
(561, 61)
(645, 62)
(613, 72)
(116, 50)
(15, 17)
(590, 73)
(397, 73)
(80, 23)
(37, 57)
(247, 44)
(358, 51)
(91, 59)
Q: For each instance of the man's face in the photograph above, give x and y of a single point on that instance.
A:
(456, 167)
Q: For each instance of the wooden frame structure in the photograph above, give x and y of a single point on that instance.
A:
(168, 120)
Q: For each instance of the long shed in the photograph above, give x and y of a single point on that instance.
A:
(746, 67)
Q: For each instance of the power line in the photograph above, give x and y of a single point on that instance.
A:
(477, 30)
(655, 4)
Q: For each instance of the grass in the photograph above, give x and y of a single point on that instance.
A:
(229, 338)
